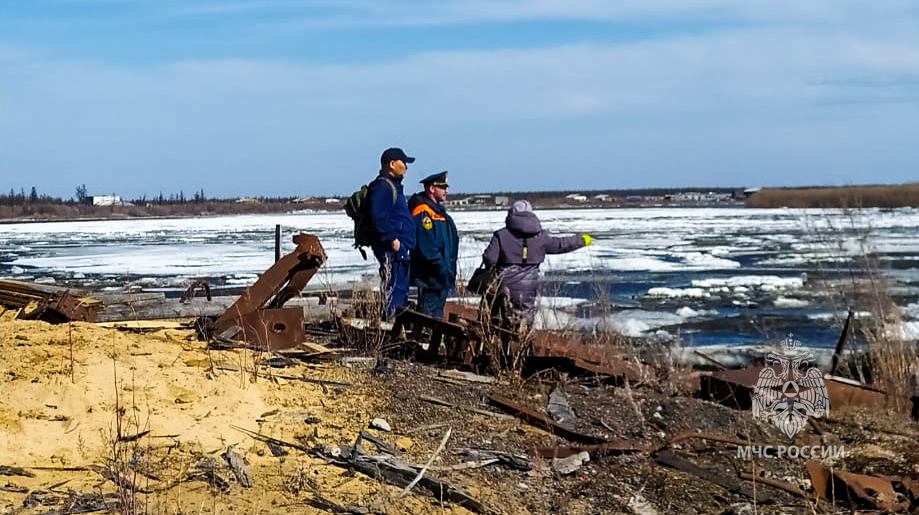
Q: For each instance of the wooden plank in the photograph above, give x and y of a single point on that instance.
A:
(148, 324)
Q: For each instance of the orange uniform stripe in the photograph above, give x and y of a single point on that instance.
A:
(424, 208)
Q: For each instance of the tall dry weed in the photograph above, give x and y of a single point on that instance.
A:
(852, 278)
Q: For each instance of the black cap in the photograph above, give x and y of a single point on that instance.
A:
(395, 154)
(437, 179)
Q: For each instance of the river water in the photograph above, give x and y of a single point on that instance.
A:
(698, 275)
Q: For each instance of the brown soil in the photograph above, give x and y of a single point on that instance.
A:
(59, 411)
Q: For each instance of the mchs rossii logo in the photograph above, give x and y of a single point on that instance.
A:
(787, 392)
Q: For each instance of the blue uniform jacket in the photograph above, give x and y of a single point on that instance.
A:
(390, 219)
(437, 243)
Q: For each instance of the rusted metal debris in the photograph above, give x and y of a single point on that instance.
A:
(462, 334)
(734, 388)
(257, 317)
(860, 489)
(549, 344)
(541, 421)
(196, 284)
(626, 446)
(732, 484)
(460, 345)
(841, 342)
(49, 304)
(775, 483)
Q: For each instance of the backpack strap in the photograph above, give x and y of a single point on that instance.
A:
(392, 186)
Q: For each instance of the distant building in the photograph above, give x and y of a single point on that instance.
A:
(104, 200)
(577, 197)
(479, 200)
(698, 196)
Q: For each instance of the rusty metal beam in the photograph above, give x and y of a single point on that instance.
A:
(541, 421)
(601, 449)
(257, 316)
(842, 341)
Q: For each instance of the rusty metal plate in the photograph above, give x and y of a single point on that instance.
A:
(272, 329)
(861, 488)
(591, 358)
(732, 388)
(453, 311)
(74, 308)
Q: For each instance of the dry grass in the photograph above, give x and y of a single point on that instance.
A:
(847, 254)
(367, 304)
(904, 195)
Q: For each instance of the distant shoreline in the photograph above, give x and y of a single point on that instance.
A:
(20, 209)
(9, 221)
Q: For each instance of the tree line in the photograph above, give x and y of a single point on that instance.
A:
(19, 205)
(21, 198)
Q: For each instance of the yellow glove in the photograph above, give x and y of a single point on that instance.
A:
(588, 240)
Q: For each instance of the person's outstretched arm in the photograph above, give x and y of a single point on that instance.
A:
(562, 244)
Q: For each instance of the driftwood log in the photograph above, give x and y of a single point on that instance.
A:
(394, 472)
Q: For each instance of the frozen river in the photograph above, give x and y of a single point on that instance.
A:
(701, 275)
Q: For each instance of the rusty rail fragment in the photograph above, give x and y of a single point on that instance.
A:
(775, 483)
(625, 446)
(257, 317)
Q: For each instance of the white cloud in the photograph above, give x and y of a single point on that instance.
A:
(751, 70)
(714, 99)
(451, 12)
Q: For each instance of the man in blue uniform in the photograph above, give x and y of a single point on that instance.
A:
(434, 260)
(393, 228)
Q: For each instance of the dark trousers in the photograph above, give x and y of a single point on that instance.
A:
(431, 302)
(394, 273)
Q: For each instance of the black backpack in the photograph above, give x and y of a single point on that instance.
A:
(357, 209)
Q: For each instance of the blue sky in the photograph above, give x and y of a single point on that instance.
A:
(297, 97)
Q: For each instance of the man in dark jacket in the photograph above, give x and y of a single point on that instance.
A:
(517, 251)
(393, 228)
(434, 260)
